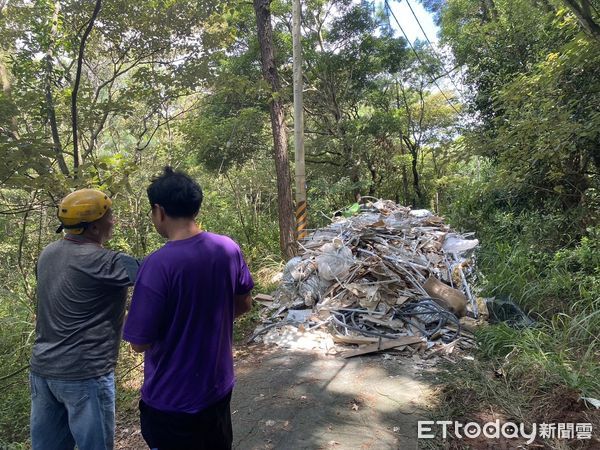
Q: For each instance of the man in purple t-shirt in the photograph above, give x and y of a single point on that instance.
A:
(185, 299)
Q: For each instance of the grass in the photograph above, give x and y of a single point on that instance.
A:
(559, 352)
(470, 390)
(472, 386)
(483, 390)
(544, 260)
(536, 373)
(552, 270)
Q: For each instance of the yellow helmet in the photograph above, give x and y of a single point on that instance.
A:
(80, 208)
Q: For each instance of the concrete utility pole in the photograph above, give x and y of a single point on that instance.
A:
(301, 210)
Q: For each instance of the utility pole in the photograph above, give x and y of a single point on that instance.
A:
(301, 209)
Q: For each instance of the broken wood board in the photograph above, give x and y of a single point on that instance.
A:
(341, 339)
(383, 345)
(264, 299)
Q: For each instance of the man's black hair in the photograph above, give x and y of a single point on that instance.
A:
(176, 192)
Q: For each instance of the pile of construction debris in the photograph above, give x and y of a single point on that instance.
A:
(388, 277)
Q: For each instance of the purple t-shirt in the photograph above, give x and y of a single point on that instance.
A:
(183, 305)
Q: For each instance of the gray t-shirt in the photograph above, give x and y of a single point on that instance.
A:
(81, 292)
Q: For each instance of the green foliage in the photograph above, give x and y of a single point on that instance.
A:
(180, 83)
(555, 113)
(16, 333)
(540, 258)
(548, 265)
(355, 114)
(496, 41)
(142, 66)
(535, 75)
(223, 142)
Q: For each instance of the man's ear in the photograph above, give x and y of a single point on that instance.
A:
(162, 212)
(93, 228)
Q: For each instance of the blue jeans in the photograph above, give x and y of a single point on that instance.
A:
(69, 412)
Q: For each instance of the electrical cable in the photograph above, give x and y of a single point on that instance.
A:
(340, 319)
(351, 319)
(428, 306)
(434, 50)
(432, 79)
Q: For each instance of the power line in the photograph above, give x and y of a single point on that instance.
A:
(445, 71)
(432, 79)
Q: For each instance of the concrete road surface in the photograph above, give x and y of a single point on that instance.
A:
(292, 400)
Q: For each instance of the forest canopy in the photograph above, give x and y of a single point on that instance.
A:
(496, 126)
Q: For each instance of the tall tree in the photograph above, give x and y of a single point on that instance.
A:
(344, 57)
(535, 82)
(80, 56)
(287, 241)
(126, 75)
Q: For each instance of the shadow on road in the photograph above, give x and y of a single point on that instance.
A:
(302, 400)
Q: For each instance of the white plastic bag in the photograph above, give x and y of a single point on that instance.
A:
(335, 260)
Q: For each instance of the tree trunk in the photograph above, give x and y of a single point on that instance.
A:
(74, 122)
(5, 81)
(353, 167)
(418, 203)
(287, 240)
(413, 149)
(58, 149)
(7, 91)
(404, 174)
(402, 152)
(584, 16)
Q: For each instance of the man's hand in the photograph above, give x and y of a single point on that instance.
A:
(242, 304)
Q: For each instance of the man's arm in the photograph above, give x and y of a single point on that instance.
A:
(131, 266)
(140, 348)
(242, 304)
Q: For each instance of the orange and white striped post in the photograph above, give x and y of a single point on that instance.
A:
(301, 220)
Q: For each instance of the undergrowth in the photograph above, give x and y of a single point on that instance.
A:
(265, 271)
(15, 347)
(549, 264)
(561, 291)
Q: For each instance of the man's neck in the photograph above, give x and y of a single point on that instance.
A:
(181, 231)
(83, 238)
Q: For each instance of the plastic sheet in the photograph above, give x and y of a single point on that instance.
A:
(312, 289)
(335, 261)
(420, 213)
(507, 311)
(297, 269)
(457, 245)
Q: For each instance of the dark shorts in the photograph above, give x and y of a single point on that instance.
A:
(208, 429)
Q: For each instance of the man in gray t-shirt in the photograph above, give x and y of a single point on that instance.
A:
(81, 291)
